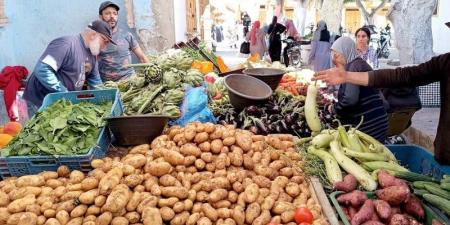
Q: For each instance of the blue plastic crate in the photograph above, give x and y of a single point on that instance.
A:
(23, 165)
(419, 160)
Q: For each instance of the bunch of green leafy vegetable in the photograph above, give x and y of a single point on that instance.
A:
(63, 128)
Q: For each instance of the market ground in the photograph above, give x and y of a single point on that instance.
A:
(424, 122)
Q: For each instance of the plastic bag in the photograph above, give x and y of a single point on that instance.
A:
(195, 107)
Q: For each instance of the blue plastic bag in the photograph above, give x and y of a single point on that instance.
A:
(195, 107)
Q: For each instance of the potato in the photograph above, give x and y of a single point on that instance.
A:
(244, 141)
(158, 168)
(52, 221)
(4, 215)
(179, 219)
(248, 162)
(93, 210)
(288, 216)
(217, 195)
(133, 217)
(221, 204)
(34, 208)
(151, 216)
(76, 177)
(179, 192)
(110, 180)
(169, 180)
(53, 183)
(128, 170)
(119, 221)
(28, 218)
(278, 164)
(89, 183)
(253, 210)
(285, 197)
(287, 172)
(262, 219)
(166, 213)
(200, 164)
(68, 206)
(49, 213)
(118, 199)
(189, 134)
(71, 195)
(19, 205)
(190, 150)
(210, 212)
(90, 218)
(74, 187)
(251, 193)
(30, 180)
(229, 141)
(88, 197)
(281, 207)
(188, 204)
(201, 137)
(178, 207)
(100, 201)
(136, 160)
(229, 221)
(193, 218)
(14, 218)
(224, 213)
(97, 174)
(46, 205)
(134, 201)
(239, 215)
(75, 221)
(268, 203)
(292, 189)
(238, 187)
(104, 219)
(133, 180)
(204, 221)
(24, 191)
(173, 157)
(79, 211)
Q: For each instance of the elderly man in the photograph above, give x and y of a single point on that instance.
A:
(435, 70)
(114, 59)
(67, 62)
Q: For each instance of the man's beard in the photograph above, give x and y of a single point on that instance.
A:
(94, 46)
(112, 23)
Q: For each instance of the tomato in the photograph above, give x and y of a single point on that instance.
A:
(303, 215)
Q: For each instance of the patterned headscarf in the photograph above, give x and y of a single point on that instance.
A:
(255, 27)
(345, 46)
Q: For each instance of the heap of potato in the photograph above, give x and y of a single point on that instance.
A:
(201, 174)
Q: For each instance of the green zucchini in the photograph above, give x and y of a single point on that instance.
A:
(420, 192)
(439, 202)
(411, 176)
(437, 191)
(421, 184)
(445, 186)
(384, 165)
(445, 179)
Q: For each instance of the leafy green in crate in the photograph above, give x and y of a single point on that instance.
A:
(63, 128)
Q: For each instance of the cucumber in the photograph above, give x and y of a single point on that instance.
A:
(445, 186)
(421, 184)
(439, 202)
(437, 191)
(384, 165)
(445, 179)
(411, 176)
(420, 192)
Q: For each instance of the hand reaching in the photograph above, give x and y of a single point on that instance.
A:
(331, 76)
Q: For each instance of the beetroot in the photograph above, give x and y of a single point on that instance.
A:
(383, 208)
(364, 214)
(394, 195)
(348, 184)
(413, 206)
(354, 198)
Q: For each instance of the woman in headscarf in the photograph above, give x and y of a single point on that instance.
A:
(292, 34)
(358, 102)
(320, 48)
(275, 30)
(256, 39)
(366, 52)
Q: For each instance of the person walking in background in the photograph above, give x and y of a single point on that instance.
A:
(256, 37)
(354, 101)
(293, 35)
(275, 31)
(320, 56)
(246, 21)
(366, 52)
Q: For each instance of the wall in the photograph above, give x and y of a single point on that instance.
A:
(180, 19)
(441, 33)
(32, 24)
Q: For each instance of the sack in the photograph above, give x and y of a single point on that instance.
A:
(245, 48)
(195, 107)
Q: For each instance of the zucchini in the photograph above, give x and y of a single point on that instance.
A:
(420, 192)
(421, 184)
(439, 202)
(334, 173)
(437, 191)
(322, 140)
(311, 111)
(384, 165)
(445, 179)
(363, 177)
(445, 186)
(411, 176)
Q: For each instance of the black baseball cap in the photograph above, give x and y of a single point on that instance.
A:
(103, 28)
(105, 5)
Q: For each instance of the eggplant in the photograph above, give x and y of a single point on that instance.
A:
(261, 127)
(284, 125)
(274, 117)
(253, 110)
(276, 109)
(278, 129)
(288, 119)
(254, 130)
(271, 128)
(300, 123)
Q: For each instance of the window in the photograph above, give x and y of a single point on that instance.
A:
(3, 18)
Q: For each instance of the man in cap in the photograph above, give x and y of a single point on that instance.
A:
(114, 59)
(435, 70)
(67, 62)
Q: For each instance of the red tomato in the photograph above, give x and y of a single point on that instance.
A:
(303, 215)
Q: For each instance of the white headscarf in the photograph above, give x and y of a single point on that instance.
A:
(320, 27)
(345, 46)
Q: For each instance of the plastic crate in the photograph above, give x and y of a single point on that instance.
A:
(419, 160)
(24, 165)
(429, 214)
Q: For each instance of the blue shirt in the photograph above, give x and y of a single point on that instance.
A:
(113, 60)
(64, 66)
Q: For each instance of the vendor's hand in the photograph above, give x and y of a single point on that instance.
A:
(331, 76)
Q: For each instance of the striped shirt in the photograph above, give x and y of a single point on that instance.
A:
(356, 101)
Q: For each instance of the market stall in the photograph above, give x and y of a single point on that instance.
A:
(199, 145)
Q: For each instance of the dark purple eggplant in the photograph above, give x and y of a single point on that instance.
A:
(300, 123)
(276, 109)
(253, 110)
(274, 117)
(284, 125)
(278, 129)
(288, 119)
(254, 130)
(260, 125)
(271, 128)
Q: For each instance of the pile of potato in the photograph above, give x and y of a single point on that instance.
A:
(201, 174)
